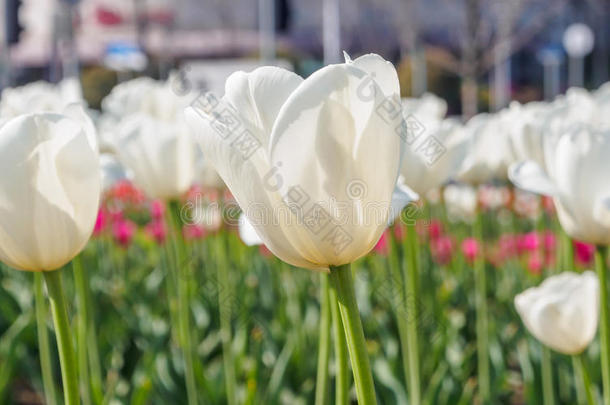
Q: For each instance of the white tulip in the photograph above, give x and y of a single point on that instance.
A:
(247, 233)
(575, 174)
(313, 162)
(563, 311)
(428, 109)
(461, 201)
(489, 154)
(144, 125)
(49, 190)
(420, 173)
(39, 97)
(160, 155)
(158, 99)
(525, 126)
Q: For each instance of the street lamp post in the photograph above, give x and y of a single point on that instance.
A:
(266, 30)
(331, 31)
(578, 41)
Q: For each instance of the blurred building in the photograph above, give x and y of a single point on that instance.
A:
(192, 29)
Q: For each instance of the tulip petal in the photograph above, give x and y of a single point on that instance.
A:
(529, 176)
(258, 96)
(50, 195)
(247, 233)
(160, 154)
(381, 70)
(251, 181)
(348, 155)
(401, 197)
(563, 311)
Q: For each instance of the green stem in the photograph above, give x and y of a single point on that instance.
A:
(400, 310)
(411, 301)
(225, 299)
(481, 315)
(183, 273)
(583, 381)
(324, 343)
(342, 380)
(81, 330)
(600, 265)
(64, 336)
(581, 395)
(567, 251)
(342, 284)
(548, 393)
(93, 349)
(43, 342)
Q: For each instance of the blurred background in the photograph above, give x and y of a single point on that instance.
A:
(476, 54)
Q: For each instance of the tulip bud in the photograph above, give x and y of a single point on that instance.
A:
(563, 311)
(312, 163)
(49, 190)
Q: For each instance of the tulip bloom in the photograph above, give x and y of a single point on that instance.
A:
(489, 153)
(461, 202)
(428, 165)
(49, 198)
(470, 249)
(525, 126)
(39, 97)
(159, 154)
(576, 164)
(50, 189)
(144, 125)
(313, 164)
(563, 311)
(312, 161)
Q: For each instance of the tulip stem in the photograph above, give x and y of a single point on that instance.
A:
(600, 265)
(324, 343)
(63, 334)
(481, 314)
(583, 381)
(93, 350)
(225, 300)
(546, 364)
(410, 302)
(343, 286)
(567, 251)
(183, 275)
(43, 342)
(400, 298)
(81, 330)
(341, 354)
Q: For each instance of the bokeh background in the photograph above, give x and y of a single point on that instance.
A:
(477, 54)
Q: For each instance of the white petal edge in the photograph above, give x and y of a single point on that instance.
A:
(529, 176)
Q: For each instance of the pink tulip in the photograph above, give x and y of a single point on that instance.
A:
(123, 231)
(583, 253)
(193, 232)
(382, 246)
(470, 249)
(441, 249)
(529, 242)
(157, 209)
(100, 222)
(436, 229)
(550, 241)
(156, 230)
(535, 263)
